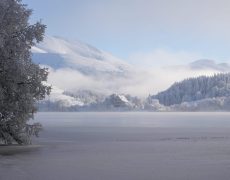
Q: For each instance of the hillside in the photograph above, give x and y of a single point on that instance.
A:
(59, 53)
(194, 89)
(85, 78)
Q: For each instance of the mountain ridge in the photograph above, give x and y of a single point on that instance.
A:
(102, 78)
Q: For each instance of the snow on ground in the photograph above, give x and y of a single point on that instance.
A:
(58, 95)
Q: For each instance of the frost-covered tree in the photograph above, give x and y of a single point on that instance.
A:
(21, 81)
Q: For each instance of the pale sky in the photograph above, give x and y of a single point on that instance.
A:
(173, 31)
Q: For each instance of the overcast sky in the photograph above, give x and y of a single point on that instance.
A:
(160, 31)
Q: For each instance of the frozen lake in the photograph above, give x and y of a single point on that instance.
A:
(125, 146)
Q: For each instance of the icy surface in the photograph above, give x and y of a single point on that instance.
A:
(126, 146)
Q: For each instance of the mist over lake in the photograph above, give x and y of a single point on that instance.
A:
(111, 146)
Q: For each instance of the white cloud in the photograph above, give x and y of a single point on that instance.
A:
(140, 83)
(108, 75)
(69, 79)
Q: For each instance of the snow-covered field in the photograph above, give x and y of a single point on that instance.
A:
(125, 146)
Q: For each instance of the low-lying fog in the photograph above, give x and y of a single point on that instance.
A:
(135, 146)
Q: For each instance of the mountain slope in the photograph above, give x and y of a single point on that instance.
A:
(86, 73)
(82, 76)
(205, 64)
(60, 53)
(194, 89)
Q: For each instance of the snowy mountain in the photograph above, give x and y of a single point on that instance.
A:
(80, 73)
(207, 64)
(85, 78)
(61, 53)
(59, 101)
(194, 89)
(58, 95)
(118, 101)
(202, 65)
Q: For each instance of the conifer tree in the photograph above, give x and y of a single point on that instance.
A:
(21, 81)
